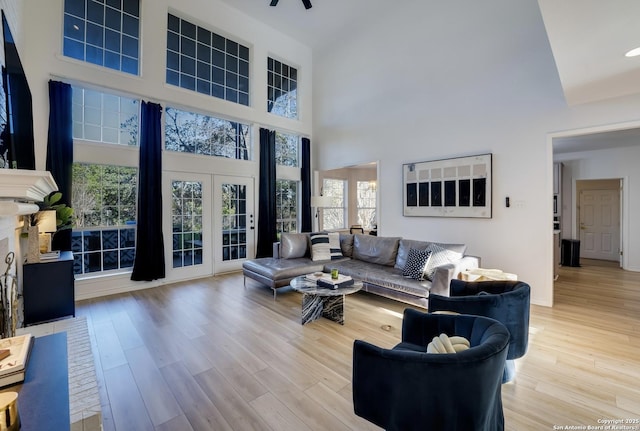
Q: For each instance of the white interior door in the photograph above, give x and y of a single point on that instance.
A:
(600, 224)
(188, 225)
(234, 222)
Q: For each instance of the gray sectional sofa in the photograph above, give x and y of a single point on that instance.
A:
(377, 261)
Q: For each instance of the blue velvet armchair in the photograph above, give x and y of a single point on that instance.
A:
(407, 389)
(506, 301)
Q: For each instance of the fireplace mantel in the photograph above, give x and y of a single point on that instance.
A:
(21, 188)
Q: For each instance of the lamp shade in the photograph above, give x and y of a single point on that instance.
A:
(320, 201)
(47, 221)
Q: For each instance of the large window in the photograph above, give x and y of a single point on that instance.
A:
(282, 89)
(105, 117)
(333, 217)
(188, 132)
(287, 149)
(366, 201)
(203, 61)
(104, 203)
(106, 33)
(286, 206)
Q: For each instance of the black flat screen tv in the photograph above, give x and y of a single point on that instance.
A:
(16, 110)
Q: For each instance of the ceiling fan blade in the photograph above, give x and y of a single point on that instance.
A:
(274, 3)
(307, 4)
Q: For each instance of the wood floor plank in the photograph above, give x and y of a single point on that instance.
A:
(201, 413)
(222, 348)
(127, 406)
(160, 403)
(236, 411)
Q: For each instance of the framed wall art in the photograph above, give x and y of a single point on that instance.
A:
(457, 187)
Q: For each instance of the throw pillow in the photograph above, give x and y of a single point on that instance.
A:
(446, 344)
(293, 245)
(335, 251)
(320, 249)
(439, 256)
(416, 264)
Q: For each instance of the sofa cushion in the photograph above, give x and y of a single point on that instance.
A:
(346, 244)
(376, 249)
(320, 249)
(335, 251)
(439, 256)
(416, 264)
(293, 245)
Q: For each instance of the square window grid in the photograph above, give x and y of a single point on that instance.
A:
(203, 61)
(104, 117)
(103, 249)
(286, 206)
(186, 214)
(103, 33)
(234, 222)
(282, 89)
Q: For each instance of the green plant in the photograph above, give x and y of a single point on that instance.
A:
(64, 214)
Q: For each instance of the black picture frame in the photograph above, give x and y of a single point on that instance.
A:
(455, 187)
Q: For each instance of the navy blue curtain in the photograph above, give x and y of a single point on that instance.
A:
(60, 150)
(305, 175)
(267, 202)
(149, 262)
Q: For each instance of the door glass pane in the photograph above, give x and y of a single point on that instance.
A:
(234, 221)
(186, 216)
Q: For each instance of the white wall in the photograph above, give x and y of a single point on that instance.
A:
(431, 81)
(607, 164)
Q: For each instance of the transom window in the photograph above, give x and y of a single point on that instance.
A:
(104, 117)
(333, 216)
(203, 61)
(282, 89)
(104, 204)
(103, 32)
(286, 206)
(366, 201)
(188, 132)
(287, 149)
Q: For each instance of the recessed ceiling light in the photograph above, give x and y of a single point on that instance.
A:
(633, 53)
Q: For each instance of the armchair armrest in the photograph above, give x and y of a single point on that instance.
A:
(445, 273)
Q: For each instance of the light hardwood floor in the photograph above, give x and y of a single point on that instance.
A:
(212, 355)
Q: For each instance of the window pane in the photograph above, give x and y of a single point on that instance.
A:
(105, 117)
(286, 206)
(287, 146)
(282, 85)
(104, 203)
(223, 62)
(366, 202)
(91, 26)
(188, 132)
(333, 217)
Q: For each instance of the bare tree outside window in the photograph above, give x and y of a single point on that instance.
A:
(188, 132)
(366, 203)
(333, 217)
(287, 149)
(286, 206)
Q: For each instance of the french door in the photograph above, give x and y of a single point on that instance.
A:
(233, 222)
(209, 224)
(187, 225)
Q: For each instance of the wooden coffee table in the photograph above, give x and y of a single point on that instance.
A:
(319, 302)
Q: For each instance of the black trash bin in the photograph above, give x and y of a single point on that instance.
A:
(570, 252)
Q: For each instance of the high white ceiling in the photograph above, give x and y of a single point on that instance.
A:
(588, 39)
